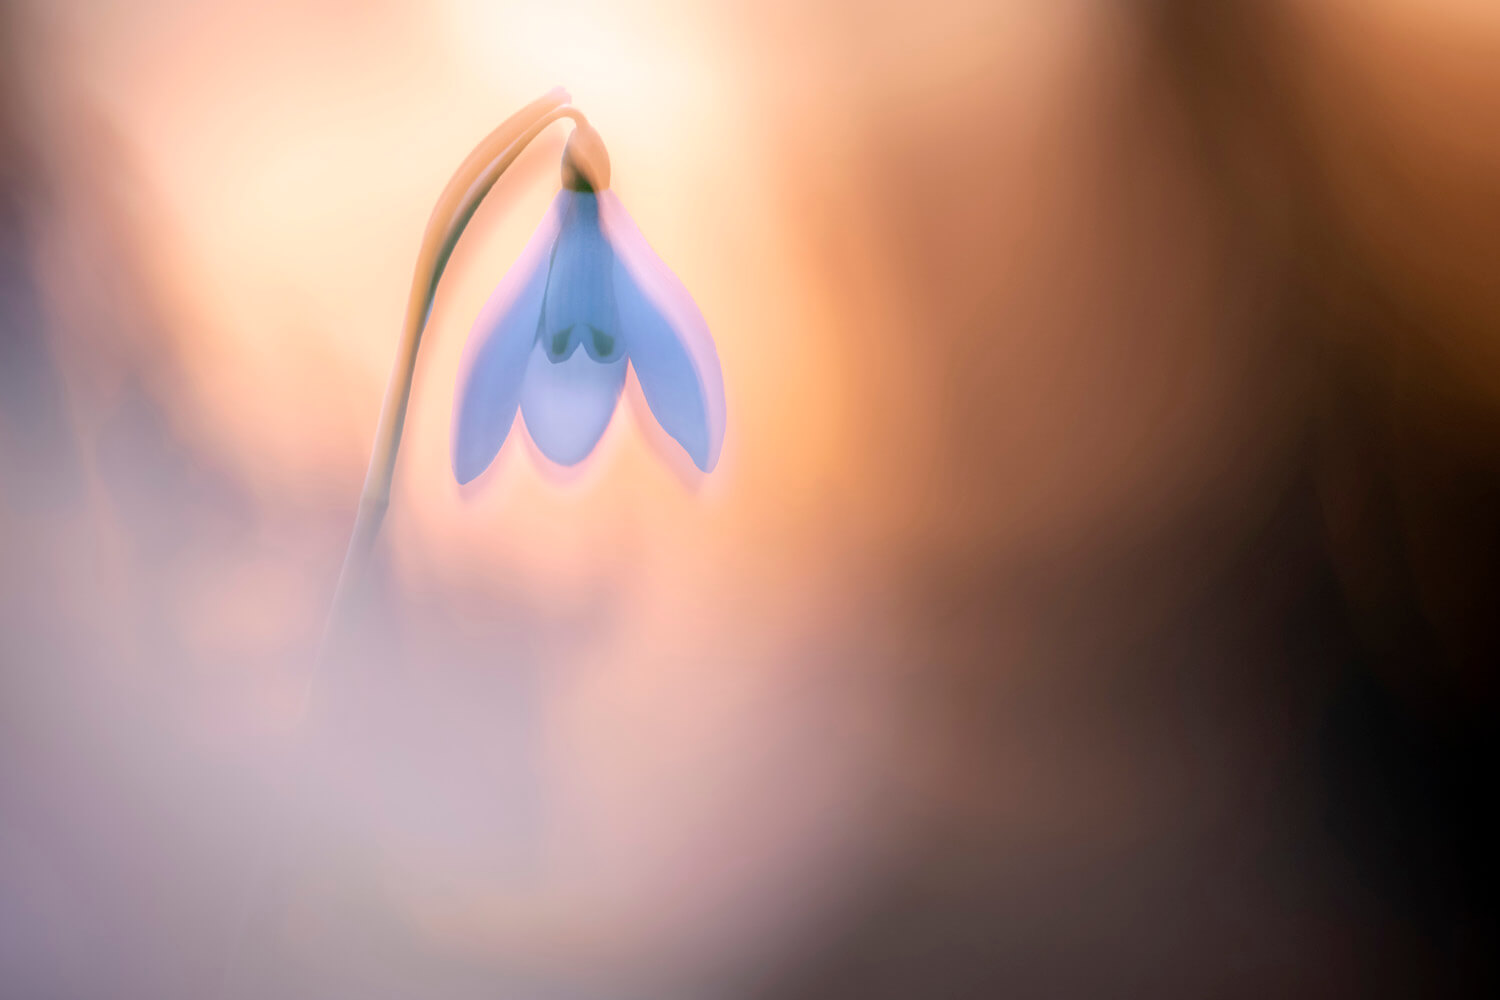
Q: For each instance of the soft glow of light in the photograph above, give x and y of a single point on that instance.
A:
(611, 62)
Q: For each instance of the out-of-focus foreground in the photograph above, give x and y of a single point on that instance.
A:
(1095, 596)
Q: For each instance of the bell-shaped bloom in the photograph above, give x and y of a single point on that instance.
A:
(587, 297)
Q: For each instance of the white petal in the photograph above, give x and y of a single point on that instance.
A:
(580, 303)
(666, 339)
(495, 358)
(567, 404)
(497, 351)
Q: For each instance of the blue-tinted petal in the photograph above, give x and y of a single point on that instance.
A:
(495, 358)
(567, 404)
(666, 340)
(580, 304)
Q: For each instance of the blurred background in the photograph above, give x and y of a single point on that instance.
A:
(1096, 596)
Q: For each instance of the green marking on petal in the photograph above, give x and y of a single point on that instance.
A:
(604, 344)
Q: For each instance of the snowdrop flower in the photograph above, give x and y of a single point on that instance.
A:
(587, 297)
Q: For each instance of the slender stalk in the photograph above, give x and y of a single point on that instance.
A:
(454, 210)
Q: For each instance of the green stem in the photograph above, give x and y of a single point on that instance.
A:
(455, 208)
(457, 205)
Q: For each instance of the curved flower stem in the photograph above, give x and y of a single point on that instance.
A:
(455, 208)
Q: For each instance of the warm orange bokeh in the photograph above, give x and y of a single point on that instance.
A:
(1040, 324)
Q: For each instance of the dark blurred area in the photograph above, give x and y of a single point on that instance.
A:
(1244, 739)
(1098, 599)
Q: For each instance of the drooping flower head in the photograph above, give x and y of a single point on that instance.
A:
(587, 297)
